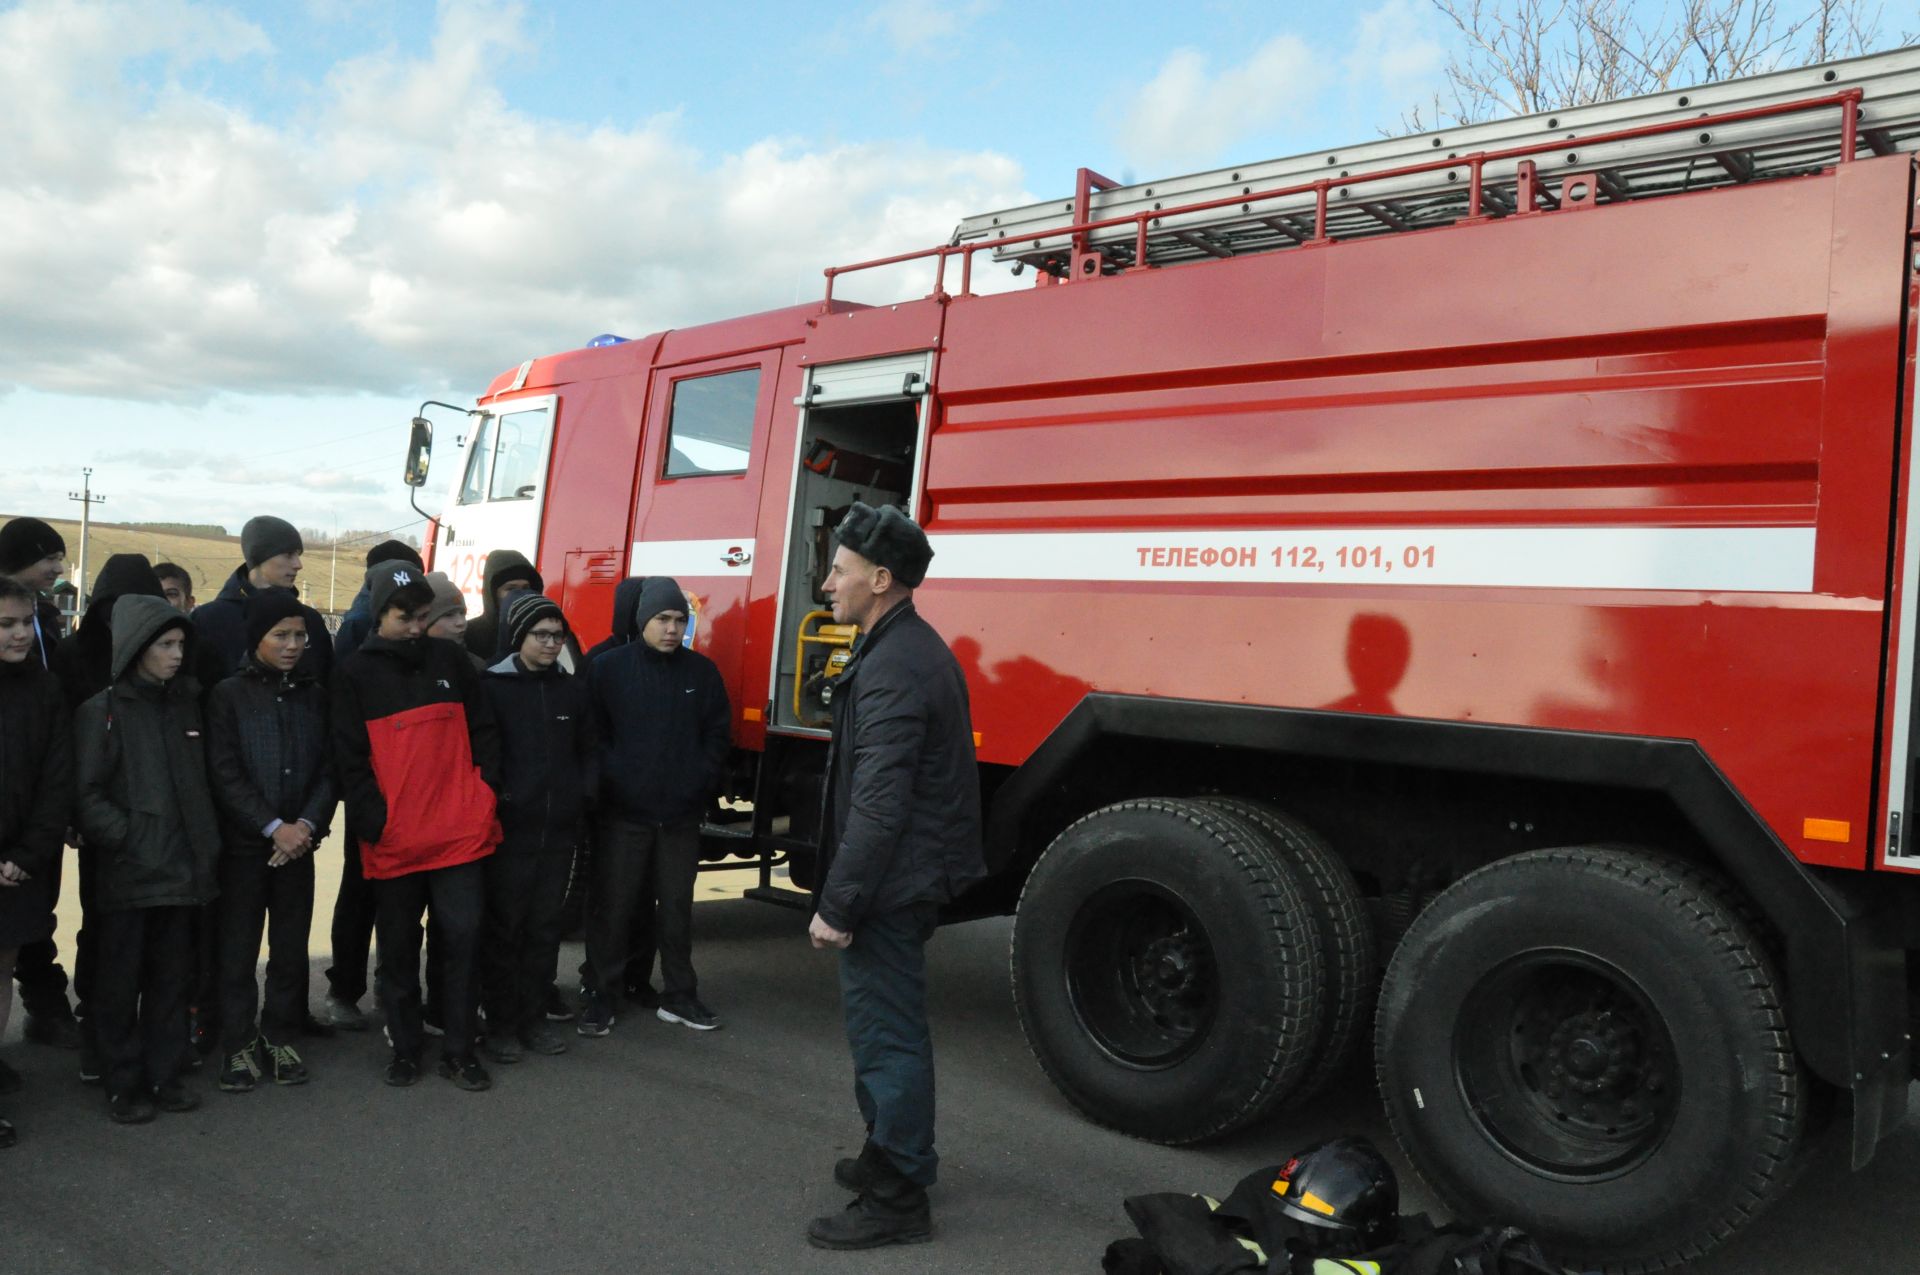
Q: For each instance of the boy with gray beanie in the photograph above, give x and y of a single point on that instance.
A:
(272, 549)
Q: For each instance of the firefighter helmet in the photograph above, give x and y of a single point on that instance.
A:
(1344, 1184)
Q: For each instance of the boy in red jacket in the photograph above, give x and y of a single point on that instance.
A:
(419, 759)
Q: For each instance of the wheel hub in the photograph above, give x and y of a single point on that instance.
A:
(1142, 974)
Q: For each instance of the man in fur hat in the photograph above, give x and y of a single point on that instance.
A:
(901, 836)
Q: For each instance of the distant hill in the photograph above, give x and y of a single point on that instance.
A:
(210, 556)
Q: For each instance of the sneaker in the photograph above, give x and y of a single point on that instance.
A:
(403, 1071)
(556, 1008)
(596, 1019)
(10, 1080)
(241, 1072)
(313, 1028)
(643, 995)
(284, 1065)
(91, 1068)
(58, 1030)
(501, 1048)
(132, 1107)
(688, 1012)
(540, 1039)
(342, 1015)
(467, 1073)
(430, 1021)
(174, 1096)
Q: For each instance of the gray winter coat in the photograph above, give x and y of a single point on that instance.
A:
(903, 801)
(144, 806)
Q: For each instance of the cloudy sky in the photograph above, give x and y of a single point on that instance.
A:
(242, 242)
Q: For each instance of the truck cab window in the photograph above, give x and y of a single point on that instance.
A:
(712, 424)
(522, 447)
(473, 488)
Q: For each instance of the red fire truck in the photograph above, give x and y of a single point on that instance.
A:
(1454, 595)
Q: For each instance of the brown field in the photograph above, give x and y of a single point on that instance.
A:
(211, 559)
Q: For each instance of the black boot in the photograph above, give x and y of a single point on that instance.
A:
(891, 1210)
(855, 1173)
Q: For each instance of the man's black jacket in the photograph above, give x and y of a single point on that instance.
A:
(267, 756)
(664, 727)
(36, 767)
(550, 762)
(222, 625)
(903, 801)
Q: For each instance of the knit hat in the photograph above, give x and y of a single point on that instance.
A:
(266, 537)
(659, 593)
(395, 551)
(527, 610)
(397, 584)
(887, 538)
(266, 608)
(24, 541)
(447, 598)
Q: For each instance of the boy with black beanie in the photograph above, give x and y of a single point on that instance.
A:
(419, 759)
(34, 554)
(549, 777)
(272, 549)
(153, 838)
(665, 728)
(358, 621)
(267, 744)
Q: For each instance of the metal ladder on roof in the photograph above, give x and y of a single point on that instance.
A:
(1784, 123)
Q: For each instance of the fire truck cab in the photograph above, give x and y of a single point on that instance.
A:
(1454, 596)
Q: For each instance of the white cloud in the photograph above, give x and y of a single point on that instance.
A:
(919, 26)
(1189, 110)
(1398, 55)
(412, 229)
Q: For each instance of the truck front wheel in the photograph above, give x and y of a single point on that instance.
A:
(1590, 1044)
(1167, 970)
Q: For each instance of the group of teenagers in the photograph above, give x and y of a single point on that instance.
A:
(196, 756)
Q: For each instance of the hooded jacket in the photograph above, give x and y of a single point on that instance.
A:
(418, 755)
(144, 807)
(222, 624)
(36, 768)
(626, 596)
(267, 755)
(483, 631)
(550, 761)
(902, 821)
(665, 728)
(84, 662)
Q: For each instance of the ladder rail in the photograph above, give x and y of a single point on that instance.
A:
(1326, 211)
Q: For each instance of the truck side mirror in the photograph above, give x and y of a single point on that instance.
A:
(419, 452)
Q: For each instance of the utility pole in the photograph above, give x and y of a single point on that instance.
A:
(87, 501)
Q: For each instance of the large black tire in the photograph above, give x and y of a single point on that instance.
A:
(1347, 953)
(1590, 1044)
(1166, 970)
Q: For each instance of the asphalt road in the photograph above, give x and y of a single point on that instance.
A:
(659, 1149)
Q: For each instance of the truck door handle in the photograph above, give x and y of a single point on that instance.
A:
(736, 557)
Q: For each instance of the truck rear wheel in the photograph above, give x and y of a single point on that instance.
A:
(1166, 970)
(1346, 939)
(1590, 1044)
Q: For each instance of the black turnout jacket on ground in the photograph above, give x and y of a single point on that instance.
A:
(664, 727)
(144, 807)
(903, 800)
(36, 766)
(267, 754)
(222, 624)
(550, 760)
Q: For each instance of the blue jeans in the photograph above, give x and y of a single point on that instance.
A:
(883, 994)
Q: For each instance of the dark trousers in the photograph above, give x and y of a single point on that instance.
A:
(883, 995)
(526, 895)
(353, 914)
(204, 996)
(43, 984)
(138, 1008)
(456, 898)
(256, 897)
(627, 856)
